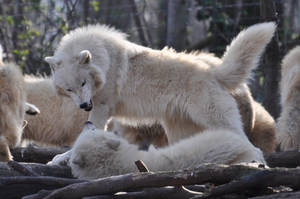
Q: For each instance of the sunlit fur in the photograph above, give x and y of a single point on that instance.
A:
(12, 109)
(288, 124)
(186, 96)
(60, 121)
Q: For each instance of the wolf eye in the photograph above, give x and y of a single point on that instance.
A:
(83, 83)
(70, 90)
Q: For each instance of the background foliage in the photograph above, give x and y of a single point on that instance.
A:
(31, 29)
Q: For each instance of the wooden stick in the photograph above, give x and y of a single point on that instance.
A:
(141, 166)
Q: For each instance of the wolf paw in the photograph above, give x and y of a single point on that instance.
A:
(61, 159)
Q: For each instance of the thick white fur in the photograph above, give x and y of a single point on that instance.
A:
(258, 124)
(187, 96)
(97, 153)
(245, 50)
(288, 124)
(12, 109)
(60, 121)
(142, 135)
(263, 133)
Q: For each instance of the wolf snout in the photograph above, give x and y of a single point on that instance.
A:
(87, 106)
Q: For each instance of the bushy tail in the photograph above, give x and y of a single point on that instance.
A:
(243, 54)
(290, 73)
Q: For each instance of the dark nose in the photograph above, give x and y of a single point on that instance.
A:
(83, 105)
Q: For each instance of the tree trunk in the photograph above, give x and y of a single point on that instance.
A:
(271, 62)
(86, 5)
(138, 23)
(17, 27)
(176, 25)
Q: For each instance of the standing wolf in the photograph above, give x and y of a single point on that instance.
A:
(106, 74)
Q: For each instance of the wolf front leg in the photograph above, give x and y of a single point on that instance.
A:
(99, 115)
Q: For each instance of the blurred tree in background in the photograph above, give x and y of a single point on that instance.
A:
(31, 29)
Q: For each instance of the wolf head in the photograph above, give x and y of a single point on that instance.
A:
(94, 151)
(83, 58)
(77, 78)
(81, 61)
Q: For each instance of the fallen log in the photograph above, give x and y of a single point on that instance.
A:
(31, 169)
(16, 187)
(239, 178)
(213, 173)
(151, 193)
(288, 159)
(289, 195)
(36, 154)
(260, 180)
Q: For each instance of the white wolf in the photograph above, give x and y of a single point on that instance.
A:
(257, 122)
(97, 153)
(288, 124)
(106, 74)
(13, 106)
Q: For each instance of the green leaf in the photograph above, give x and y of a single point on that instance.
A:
(10, 20)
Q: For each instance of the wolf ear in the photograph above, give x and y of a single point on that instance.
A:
(52, 62)
(85, 57)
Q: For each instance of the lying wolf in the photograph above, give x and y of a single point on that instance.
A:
(106, 74)
(97, 153)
